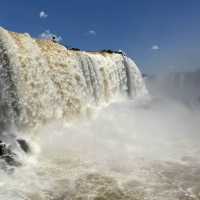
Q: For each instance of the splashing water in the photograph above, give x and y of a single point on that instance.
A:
(129, 150)
(44, 81)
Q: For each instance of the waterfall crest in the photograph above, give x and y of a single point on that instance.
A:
(41, 80)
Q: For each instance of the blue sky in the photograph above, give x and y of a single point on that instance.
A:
(160, 35)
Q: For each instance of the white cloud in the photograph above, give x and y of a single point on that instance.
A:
(155, 47)
(43, 14)
(48, 35)
(92, 32)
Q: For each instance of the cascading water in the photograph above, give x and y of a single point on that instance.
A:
(42, 80)
(128, 151)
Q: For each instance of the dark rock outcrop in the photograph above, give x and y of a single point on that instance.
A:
(24, 145)
(8, 155)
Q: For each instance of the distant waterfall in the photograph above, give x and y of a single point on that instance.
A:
(41, 80)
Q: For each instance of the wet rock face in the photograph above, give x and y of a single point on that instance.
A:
(8, 154)
(24, 145)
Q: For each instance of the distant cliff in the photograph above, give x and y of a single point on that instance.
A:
(181, 86)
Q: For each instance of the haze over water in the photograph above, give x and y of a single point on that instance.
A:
(93, 124)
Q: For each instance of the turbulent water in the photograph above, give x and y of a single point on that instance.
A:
(93, 131)
(43, 81)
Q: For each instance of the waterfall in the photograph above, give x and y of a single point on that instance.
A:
(41, 80)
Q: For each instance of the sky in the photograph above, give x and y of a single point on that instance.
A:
(160, 35)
